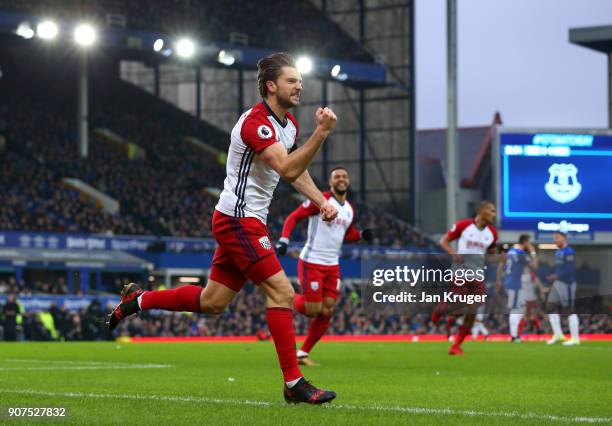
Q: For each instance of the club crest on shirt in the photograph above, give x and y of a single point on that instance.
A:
(265, 243)
(314, 285)
(264, 132)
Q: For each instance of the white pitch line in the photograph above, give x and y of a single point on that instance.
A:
(89, 363)
(391, 409)
(84, 367)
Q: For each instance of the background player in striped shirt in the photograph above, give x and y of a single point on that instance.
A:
(562, 296)
(262, 149)
(475, 238)
(318, 268)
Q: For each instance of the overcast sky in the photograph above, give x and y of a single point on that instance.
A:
(513, 56)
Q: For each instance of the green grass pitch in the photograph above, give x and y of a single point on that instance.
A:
(377, 383)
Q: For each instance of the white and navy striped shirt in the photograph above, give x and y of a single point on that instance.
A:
(250, 182)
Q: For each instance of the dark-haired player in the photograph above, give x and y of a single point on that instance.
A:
(318, 268)
(262, 149)
(562, 296)
(520, 257)
(475, 238)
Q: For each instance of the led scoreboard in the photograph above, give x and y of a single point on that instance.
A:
(550, 180)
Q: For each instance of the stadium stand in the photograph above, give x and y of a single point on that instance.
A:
(33, 198)
(164, 193)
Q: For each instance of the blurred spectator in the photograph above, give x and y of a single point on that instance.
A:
(246, 316)
(11, 311)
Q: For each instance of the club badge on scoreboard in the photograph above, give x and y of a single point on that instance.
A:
(563, 186)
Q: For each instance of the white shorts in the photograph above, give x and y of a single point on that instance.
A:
(529, 294)
(516, 301)
(480, 313)
(563, 294)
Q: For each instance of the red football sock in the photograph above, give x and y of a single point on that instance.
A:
(450, 320)
(521, 326)
(185, 298)
(460, 336)
(298, 303)
(280, 323)
(438, 311)
(318, 328)
(537, 324)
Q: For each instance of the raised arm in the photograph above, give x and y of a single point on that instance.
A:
(306, 209)
(291, 166)
(306, 186)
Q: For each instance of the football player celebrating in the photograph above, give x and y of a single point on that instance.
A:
(318, 268)
(263, 148)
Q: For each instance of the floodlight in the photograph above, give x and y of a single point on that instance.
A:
(226, 58)
(158, 45)
(304, 64)
(85, 35)
(185, 48)
(47, 30)
(25, 30)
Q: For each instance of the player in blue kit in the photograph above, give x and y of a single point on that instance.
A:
(563, 294)
(522, 255)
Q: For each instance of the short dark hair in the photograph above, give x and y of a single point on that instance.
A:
(523, 238)
(337, 168)
(270, 67)
(483, 204)
(564, 234)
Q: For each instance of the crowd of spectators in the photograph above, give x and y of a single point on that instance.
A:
(55, 284)
(60, 324)
(34, 198)
(160, 192)
(246, 316)
(164, 193)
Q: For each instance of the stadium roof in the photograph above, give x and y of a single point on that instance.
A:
(138, 45)
(596, 38)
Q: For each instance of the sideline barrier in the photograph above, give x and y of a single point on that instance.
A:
(413, 338)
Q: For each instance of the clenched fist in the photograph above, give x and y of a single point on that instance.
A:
(326, 119)
(328, 212)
